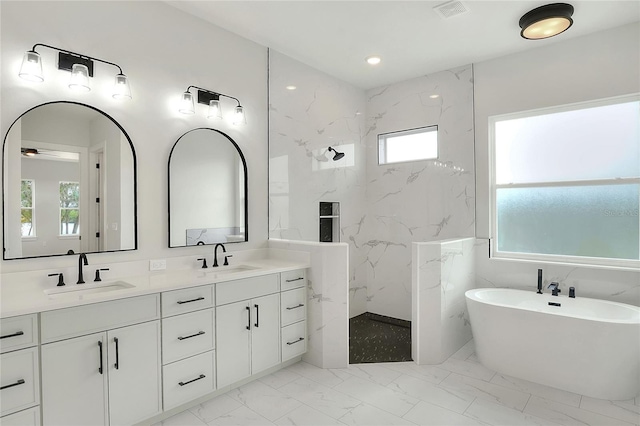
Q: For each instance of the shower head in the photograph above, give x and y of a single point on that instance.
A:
(338, 155)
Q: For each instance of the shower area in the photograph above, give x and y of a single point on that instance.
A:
(378, 210)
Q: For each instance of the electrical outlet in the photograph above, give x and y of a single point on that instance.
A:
(158, 265)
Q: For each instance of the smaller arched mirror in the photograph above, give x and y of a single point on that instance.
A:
(207, 190)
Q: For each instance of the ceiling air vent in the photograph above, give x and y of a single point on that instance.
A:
(451, 9)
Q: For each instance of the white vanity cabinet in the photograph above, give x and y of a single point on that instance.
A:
(293, 302)
(102, 365)
(247, 327)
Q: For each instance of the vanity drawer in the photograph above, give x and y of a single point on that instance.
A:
(187, 335)
(18, 332)
(293, 306)
(293, 279)
(19, 380)
(294, 340)
(248, 288)
(87, 319)
(188, 379)
(187, 300)
(28, 417)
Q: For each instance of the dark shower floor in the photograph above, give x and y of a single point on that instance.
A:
(376, 338)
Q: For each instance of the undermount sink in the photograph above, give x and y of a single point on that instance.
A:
(227, 270)
(76, 291)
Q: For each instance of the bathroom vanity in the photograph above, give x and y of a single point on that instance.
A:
(130, 353)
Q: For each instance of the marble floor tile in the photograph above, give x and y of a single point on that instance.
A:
(368, 415)
(280, 378)
(542, 391)
(429, 373)
(426, 414)
(498, 415)
(485, 390)
(185, 418)
(241, 416)
(376, 373)
(268, 402)
(623, 410)
(307, 416)
(215, 408)
(465, 351)
(326, 377)
(568, 415)
(322, 398)
(392, 401)
(447, 398)
(466, 368)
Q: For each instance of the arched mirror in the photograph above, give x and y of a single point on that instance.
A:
(207, 190)
(69, 183)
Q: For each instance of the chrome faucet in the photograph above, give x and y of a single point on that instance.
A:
(86, 262)
(554, 288)
(215, 254)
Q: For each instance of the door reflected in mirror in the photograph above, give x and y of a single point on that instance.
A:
(69, 183)
(207, 190)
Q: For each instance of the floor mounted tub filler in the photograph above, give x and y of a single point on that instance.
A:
(587, 346)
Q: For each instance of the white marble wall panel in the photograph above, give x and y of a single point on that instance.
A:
(442, 272)
(618, 285)
(415, 201)
(321, 112)
(328, 301)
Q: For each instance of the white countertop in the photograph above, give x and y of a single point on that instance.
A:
(21, 298)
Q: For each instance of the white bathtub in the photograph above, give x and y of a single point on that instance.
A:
(587, 346)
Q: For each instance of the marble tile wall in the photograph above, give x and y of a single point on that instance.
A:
(415, 201)
(442, 271)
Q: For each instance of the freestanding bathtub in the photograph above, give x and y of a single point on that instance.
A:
(587, 346)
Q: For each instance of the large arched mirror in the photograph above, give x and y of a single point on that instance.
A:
(207, 190)
(69, 183)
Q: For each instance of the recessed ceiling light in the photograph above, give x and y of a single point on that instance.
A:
(373, 60)
(291, 87)
(546, 21)
(434, 96)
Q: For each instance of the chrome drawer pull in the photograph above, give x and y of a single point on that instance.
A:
(295, 279)
(180, 302)
(296, 307)
(295, 341)
(19, 382)
(202, 376)
(19, 333)
(200, 333)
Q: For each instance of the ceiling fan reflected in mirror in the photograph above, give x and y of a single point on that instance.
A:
(49, 154)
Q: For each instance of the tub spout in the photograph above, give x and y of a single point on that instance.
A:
(554, 288)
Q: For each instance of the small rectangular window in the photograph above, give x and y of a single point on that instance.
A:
(27, 208)
(408, 145)
(69, 208)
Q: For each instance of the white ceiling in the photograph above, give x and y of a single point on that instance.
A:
(412, 39)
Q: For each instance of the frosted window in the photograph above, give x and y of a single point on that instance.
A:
(594, 221)
(408, 145)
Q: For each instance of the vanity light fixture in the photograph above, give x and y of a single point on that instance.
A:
(212, 100)
(546, 21)
(81, 67)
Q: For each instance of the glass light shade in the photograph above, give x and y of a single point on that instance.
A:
(121, 89)
(186, 104)
(214, 109)
(546, 28)
(31, 69)
(238, 116)
(79, 78)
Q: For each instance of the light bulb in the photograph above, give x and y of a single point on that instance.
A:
(238, 116)
(79, 78)
(186, 104)
(121, 89)
(214, 109)
(31, 69)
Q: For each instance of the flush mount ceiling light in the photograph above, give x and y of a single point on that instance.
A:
(373, 60)
(546, 21)
(212, 100)
(291, 87)
(80, 66)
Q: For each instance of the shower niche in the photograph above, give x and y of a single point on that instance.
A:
(329, 213)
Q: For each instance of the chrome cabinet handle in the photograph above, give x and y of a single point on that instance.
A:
(295, 307)
(295, 341)
(295, 279)
(19, 333)
(202, 376)
(180, 302)
(200, 333)
(19, 382)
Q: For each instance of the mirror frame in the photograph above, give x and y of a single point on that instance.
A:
(246, 189)
(135, 183)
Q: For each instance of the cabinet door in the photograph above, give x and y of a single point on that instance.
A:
(74, 381)
(134, 373)
(265, 332)
(233, 336)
